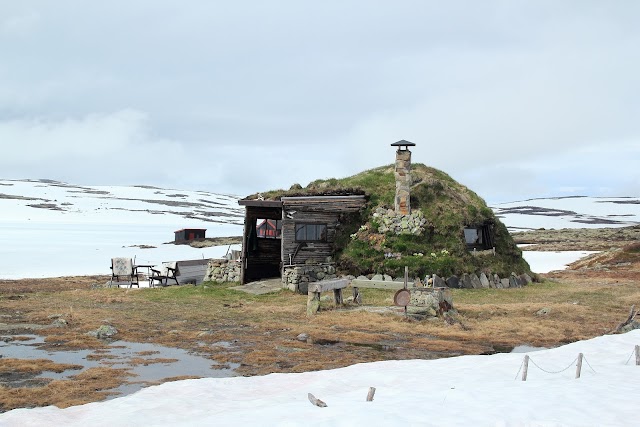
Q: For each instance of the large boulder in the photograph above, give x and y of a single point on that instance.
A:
(453, 282)
(513, 281)
(475, 281)
(438, 282)
(465, 281)
(496, 282)
(484, 281)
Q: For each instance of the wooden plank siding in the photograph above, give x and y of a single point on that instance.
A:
(313, 210)
(272, 254)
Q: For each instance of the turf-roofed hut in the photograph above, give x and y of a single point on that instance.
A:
(305, 237)
(376, 222)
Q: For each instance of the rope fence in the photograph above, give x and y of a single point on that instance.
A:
(524, 366)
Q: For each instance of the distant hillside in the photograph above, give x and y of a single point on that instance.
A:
(367, 247)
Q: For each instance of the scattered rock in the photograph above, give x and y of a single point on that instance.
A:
(465, 281)
(303, 337)
(484, 281)
(496, 281)
(104, 331)
(438, 282)
(453, 282)
(59, 323)
(475, 281)
(513, 281)
(630, 327)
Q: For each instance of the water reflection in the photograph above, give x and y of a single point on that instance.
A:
(152, 363)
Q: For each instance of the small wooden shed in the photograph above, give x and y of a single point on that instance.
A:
(187, 234)
(308, 229)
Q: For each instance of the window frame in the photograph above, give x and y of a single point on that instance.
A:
(320, 236)
(278, 231)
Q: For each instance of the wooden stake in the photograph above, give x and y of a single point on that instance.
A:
(316, 401)
(579, 365)
(525, 368)
(357, 298)
(372, 391)
(638, 355)
(337, 294)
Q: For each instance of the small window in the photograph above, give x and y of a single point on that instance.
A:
(269, 228)
(480, 237)
(473, 236)
(311, 232)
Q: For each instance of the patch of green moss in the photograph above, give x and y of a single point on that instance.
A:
(447, 205)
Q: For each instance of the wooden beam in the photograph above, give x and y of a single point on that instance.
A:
(328, 285)
(379, 284)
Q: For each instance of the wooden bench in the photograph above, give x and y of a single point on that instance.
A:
(191, 271)
(316, 289)
(375, 284)
(180, 272)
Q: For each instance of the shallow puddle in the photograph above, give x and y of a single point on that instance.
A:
(149, 363)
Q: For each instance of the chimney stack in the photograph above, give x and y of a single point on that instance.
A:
(403, 177)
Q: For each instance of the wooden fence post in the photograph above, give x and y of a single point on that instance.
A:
(525, 368)
(337, 294)
(638, 355)
(579, 365)
(372, 391)
(357, 298)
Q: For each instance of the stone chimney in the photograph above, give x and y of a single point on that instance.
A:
(403, 177)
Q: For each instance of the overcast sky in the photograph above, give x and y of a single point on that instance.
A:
(514, 99)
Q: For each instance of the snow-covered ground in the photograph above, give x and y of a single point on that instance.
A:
(566, 212)
(460, 391)
(544, 262)
(569, 212)
(76, 230)
(50, 229)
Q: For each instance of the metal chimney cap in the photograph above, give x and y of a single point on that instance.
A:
(403, 143)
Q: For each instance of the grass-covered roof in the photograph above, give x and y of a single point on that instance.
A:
(448, 207)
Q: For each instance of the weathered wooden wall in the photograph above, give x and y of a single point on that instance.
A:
(313, 210)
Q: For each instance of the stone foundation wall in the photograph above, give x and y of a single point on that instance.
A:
(297, 278)
(222, 270)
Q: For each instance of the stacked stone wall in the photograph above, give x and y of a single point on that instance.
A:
(391, 222)
(222, 270)
(297, 278)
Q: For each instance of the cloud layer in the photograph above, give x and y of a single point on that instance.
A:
(508, 97)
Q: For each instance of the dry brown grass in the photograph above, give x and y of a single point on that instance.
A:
(33, 366)
(262, 330)
(88, 386)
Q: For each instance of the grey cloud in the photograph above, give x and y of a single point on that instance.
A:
(270, 93)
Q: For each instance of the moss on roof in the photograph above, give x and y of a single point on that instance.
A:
(447, 205)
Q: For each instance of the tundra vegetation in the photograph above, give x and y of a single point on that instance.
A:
(261, 333)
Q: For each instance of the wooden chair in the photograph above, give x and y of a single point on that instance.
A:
(163, 274)
(123, 272)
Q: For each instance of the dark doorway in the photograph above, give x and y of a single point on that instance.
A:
(262, 243)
